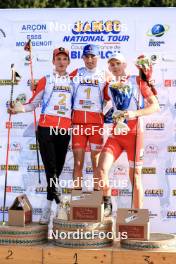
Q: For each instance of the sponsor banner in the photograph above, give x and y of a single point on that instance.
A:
(126, 31)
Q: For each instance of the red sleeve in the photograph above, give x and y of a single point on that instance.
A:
(73, 74)
(105, 91)
(40, 86)
(146, 90)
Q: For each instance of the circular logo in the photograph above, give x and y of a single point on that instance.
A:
(157, 30)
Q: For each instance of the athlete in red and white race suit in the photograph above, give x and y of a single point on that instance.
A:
(136, 91)
(90, 92)
(54, 92)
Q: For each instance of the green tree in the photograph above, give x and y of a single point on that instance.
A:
(85, 3)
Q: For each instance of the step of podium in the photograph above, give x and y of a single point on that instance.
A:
(21, 255)
(125, 256)
(77, 256)
(51, 254)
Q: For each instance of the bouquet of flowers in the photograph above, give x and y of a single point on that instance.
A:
(144, 64)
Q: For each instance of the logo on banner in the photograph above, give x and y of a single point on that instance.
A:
(152, 215)
(149, 170)
(171, 148)
(171, 214)
(169, 83)
(31, 28)
(36, 211)
(154, 192)
(151, 149)
(67, 169)
(89, 170)
(27, 59)
(4, 82)
(41, 190)
(100, 32)
(34, 168)
(15, 146)
(33, 146)
(155, 126)
(35, 32)
(120, 171)
(174, 192)
(157, 31)
(170, 171)
(10, 167)
(15, 189)
(124, 192)
(16, 125)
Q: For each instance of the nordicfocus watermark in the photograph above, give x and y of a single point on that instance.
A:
(100, 78)
(80, 130)
(89, 235)
(89, 183)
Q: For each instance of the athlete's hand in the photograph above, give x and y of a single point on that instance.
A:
(144, 64)
(16, 108)
(11, 110)
(130, 114)
(118, 116)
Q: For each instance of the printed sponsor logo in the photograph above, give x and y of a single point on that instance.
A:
(35, 32)
(8, 82)
(34, 168)
(154, 192)
(149, 170)
(101, 32)
(15, 146)
(120, 171)
(36, 211)
(171, 214)
(157, 31)
(169, 83)
(174, 192)
(170, 171)
(33, 146)
(10, 167)
(151, 149)
(89, 170)
(15, 189)
(41, 190)
(16, 125)
(155, 126)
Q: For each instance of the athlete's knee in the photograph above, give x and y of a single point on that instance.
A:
(78, 164)
(101, 172)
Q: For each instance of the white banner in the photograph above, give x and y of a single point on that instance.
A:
(132, 31)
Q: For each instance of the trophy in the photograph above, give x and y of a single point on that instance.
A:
(121, 94)
(64, 208)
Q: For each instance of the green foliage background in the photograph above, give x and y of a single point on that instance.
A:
(85, 3)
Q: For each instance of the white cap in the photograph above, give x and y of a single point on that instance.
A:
(117, 56)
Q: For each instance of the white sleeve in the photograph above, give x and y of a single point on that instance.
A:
(34, 103)
(37, 96)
